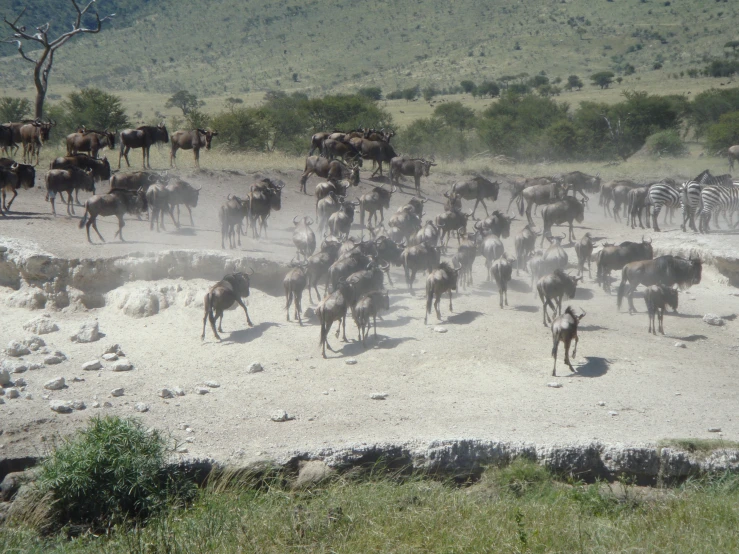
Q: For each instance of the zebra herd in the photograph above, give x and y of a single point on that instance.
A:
(702, 198)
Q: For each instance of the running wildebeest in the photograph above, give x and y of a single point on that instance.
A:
(117, 202)
(584, 251)
(182, 192)
(368, 306)
(466, 254)
(158, 201)
(340, 222)
(616, 257)
(406, 221)
(428, 234)
(231, 216)
(265, 196)
(525, 242)
(665, 270)
(14, 176)
(378, 199)
(319, 263)
(656, 298)
(564, 329)
(410, 167)
(418, 258)
(581, 182)
(136, 180)
(378, 151)
(142, 137)
(190, 140)
(497, 224)
(441, 280)
(449, 222)
(340, 148)
(637, 200)
(501, 270)
(333, 170)
(555, 286)
(221, 296)
(567, 210)
(535, 195)
(6, 139)
(294, 284)
(90, 141)
(333, 308)
(67, 180)
(304, 238)
(477, 188)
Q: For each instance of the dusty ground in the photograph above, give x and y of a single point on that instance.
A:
(484, 378)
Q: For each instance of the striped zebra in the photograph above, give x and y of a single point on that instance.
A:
(662, 195)
(714, 199)
(691, 197)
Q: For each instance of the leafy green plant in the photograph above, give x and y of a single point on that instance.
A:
(184, 100)
(14, 109)
(666, 143)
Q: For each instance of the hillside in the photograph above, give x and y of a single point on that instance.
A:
(233, 47)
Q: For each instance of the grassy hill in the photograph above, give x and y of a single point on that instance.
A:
(237, 47)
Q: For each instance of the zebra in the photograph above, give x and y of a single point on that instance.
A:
(691, 197)
(715, 198)
(662, 195)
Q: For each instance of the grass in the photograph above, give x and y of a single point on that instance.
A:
(702, 446)
(520, 508)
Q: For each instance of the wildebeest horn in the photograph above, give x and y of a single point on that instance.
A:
(200, 187)
(478, 225)
(454, 188)
(229, 197)
(393, 188)
(423, 201)
(14, 166)
(385, 266)
(294, 218)
(563, 236)
(309, 219)
(446, 194)
(250, 274)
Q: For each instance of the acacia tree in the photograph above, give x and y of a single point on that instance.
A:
(45, 59)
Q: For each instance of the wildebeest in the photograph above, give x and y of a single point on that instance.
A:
(117, 202)
(182, 192)
(492, 248)
(158, 201)
(294, 284)
(665, 270)
(194, 140)
(656, 298)
(555, 257)
(497, 224)
(100, 166)
(231, 215)
(441, 280)
(333, 308)
(264, 197)
(581, 182)
(136, 180)
(733, 154)
(555, 286)
(584, 251)
(378, 151)
(637, 199)
(501, 271)
(33, 136)
(333, 170)
(319, 263)
(419, 257)
(606, 193)
(316, 142)
(339, 188)
(325, 208)
(344, 266)
(221, 296)
(564, 329)
(378, 199)
(536, 195)
(406, 221)
(340, 148)
(477, 188)
(428, 234)
(453, 201)
(6, 139)
(370, 278)
(67, 180)
(304, 238)
(15, 136)
(451, 221)
(567, 210)
(410, 167)
(340, 222)
(368, 306)
(616, 257)
(14, 176)
(466, 254)
(90, 141)
(525, 242)
(142, 137)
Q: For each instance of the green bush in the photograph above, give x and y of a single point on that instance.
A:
(425, 137)
(603, 79)
(111, 471)
(455, 115)
(666, 143)
(14, 109)
(91, 107)
(723, 134)
(242, 129)
(373, 93)
(708, 107)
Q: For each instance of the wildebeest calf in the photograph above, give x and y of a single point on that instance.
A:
(221, 296)
(656, 298)
(367, 307)
(564, 329)
(555, 286)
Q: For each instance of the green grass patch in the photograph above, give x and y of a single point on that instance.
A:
(703, 446)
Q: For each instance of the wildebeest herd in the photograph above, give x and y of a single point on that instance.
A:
(352, 270)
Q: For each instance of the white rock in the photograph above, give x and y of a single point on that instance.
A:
(2, 401)
(33, 367)
(554, 385)
(680, 345)
(178, 391)
(55, 358)
(107, 405)
(201, 390)
(189, 439)
(20, 382)
(41, 325)
(20, 368)
(714, 430)
(4, 377)
(351, 361)
(115, 393)
(440, 329)
(78, 405)
(96, 404)
(141, 407)
(88, 332)
(189, 430)
(13, 393)
(378, 395)
(122, 365)
(601, 403)
(281, 415)
(254, 367)
(713, 319)
(166, 393)
(55, 384)
(28, 396)
(34, 343)
(212, 384)
(92, 365)
(182, 450)
(612, 413)
(111, 357)
(183, 426)
(114, 349)
(17, 349)
(61, 406)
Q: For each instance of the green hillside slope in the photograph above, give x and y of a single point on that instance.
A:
(235, 46)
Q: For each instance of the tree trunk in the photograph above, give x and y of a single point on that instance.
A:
(40, 97)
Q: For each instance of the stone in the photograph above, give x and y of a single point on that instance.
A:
(309, 313)
(96, 404)
(55, 384)
(601, 403)
(378, 395)
(12, 393)
(115, 393)
(713, 319)
(110, 357)
(107, 405)
(254, 367)
(714, 430)
(41, 325)
(612, 413)
(17, 349)
(440, 329)
(2, 391)
(178, 391)
(61, 406)
(34, 367)
(92, 365)
(55, 358)
(201, 390)
(4, 377)
(88, 332)
(166, 393)
(122, 365)
(351, 361)
(312, 472)
(34, 343)
(212, 384)
(141, 407)
(554, 385)
(20, 382)
(12, 483)
(2, 401)
(20, 368)
(680, 345)
(28, 396)
(78, 405)
(281, 415)
(114, 349)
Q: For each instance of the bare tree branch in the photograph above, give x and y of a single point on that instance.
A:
(19, 44)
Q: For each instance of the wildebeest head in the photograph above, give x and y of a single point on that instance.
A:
(162, 133)
(239, 283)
(26, 175)
(305, 220)
(696, 269)
(354, 175)
(580, 215)
(208, 135)
(110, 136)
(646, 245)
(44, 129)
(670, 295)
(427, 165)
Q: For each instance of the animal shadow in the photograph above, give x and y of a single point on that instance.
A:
(355, 347)
(463, 318)
(691, 338)
(592, 328)
(683, 315)
(527, 309)
(245, 336)
(517, 285)
(583, 294)
(593, 367)
(397, 322)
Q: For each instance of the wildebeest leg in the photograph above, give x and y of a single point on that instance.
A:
(343, 320)
(655, 215)
(413, 278)
(93, 221)
(189, 209)
(219, 317)
(374, 322)
(505, 292)
(173, 155)
(528, 213)
(196, 153)
(298, 306)
(555, 346)
(572, 232)
(288, 301)
(436, 305)
(154, 217)
(661, 315)
(482, 201)
(70, 209)
(53, 207)
(119, 232)
(7, 207)
(450, 302)
(246, 311)
(574, 352)
(630, 296)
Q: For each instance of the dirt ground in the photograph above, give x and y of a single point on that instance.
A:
(485, 377)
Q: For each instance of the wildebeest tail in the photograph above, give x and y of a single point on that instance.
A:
(429, 295)
(622, 287)
(84, 217)
(555, 344)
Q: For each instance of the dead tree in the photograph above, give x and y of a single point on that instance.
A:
(45, 60)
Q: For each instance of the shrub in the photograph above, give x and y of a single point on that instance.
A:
(723, 134)
(90, 107)
(666, 143)
(455, 115)
(467, 86)
(429, 136)
(573, 81)
(603, 79)
(242, 129)
(184, 100)
(708, 106)
(373, 93)
(112, 470)
(14, 109)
